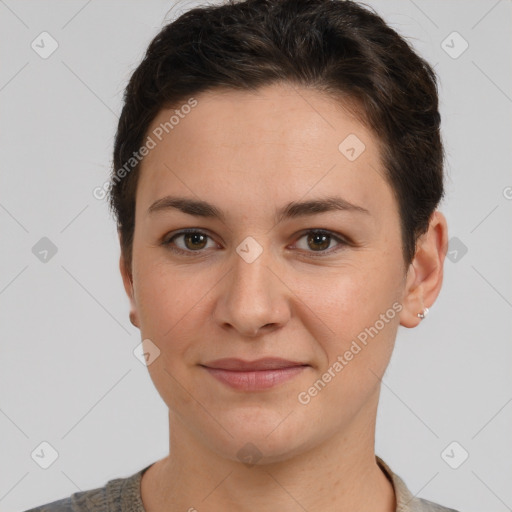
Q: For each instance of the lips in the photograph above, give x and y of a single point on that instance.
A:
(268, 363)
(258, 375)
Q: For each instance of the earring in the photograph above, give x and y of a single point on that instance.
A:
(423, 314)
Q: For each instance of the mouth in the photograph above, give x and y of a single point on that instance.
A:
(255, 375)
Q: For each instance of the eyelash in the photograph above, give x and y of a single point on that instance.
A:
(315, 254)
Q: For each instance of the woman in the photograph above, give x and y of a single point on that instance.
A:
(277, 169)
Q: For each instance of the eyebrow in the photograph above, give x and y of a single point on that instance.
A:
(292, 210)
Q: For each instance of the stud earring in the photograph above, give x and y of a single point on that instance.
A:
(423, 314)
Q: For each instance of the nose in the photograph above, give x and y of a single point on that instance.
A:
(252, 299)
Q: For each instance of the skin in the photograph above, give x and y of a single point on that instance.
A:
(250, 154)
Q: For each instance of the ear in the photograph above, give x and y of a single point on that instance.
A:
(127, 276)
(425, 274)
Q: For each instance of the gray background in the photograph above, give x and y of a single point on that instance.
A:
(68, 375)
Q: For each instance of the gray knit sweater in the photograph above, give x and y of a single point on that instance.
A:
(123, 495)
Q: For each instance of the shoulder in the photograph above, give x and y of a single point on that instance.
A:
(91, 500)
(423, 505)
(405, 500)
(117, 495)
(63, 505)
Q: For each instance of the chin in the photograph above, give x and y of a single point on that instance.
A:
(260, 438)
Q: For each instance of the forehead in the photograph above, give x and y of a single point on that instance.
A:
(279, 142)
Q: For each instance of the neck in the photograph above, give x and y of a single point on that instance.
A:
(339, 475)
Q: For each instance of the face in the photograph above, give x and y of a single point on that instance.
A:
(296, 256)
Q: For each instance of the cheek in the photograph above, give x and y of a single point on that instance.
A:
(360, 306)
(360, 309)
(167, 301)
(169, 306)
(353, 298)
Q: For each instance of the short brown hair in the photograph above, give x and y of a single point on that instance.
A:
(340, 48)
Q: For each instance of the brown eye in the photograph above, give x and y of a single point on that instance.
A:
(187, 242)
(319, 241)
(195, 240)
